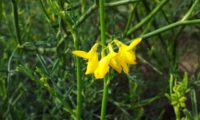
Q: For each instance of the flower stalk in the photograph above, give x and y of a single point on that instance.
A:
(79, 82)
(103, 43)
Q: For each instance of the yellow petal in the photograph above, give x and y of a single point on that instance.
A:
(134, 43)
(129, 57)
(123, 64)
(103, 66)
(80, 53)
(84, 54)
(92, 64)
(115, 65)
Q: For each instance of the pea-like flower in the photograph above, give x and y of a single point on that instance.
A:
(126, 55)
(126, 52)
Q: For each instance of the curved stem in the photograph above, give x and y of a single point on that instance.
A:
(187, 15)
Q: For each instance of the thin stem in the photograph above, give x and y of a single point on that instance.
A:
(170, 26)
(102, 23)
(188, 14)
(83, 6)
(130, 18)
(103, 43)
(147, 18)
(78, 77)
(85, 15)
(78, 70)
(104, 99)
(122, 2)
(16, 21)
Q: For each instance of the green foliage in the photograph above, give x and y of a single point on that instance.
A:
(177, 95)
(38, 72)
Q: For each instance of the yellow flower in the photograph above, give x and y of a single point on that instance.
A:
(126, 53)
(92, 57)
(103, 66)
(124, 56)
(113, 62)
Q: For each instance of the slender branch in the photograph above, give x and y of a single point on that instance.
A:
(16, 21)
(122, 2)
(83, 2)
(147, 18)
(170, 26)
(188, 14)
(85, 15)
(130, 18)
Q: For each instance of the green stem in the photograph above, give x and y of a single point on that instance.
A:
(83, 6)
(102, 23)
(16, 21)
(85, 15)
(78, 69)
(1, 9)
(122, 2)
(147, 18)
(188, 14)
(130, 18)
(170, 26)
(177, 113)
(78, 77)
(103, 43)
(104, 99)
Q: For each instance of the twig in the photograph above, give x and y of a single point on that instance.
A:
(147, 18)
(170, 26)
(122, 2)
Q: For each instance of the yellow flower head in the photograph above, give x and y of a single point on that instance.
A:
(91, 56)
(117, 60)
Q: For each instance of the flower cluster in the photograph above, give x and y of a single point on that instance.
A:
(117, 60)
